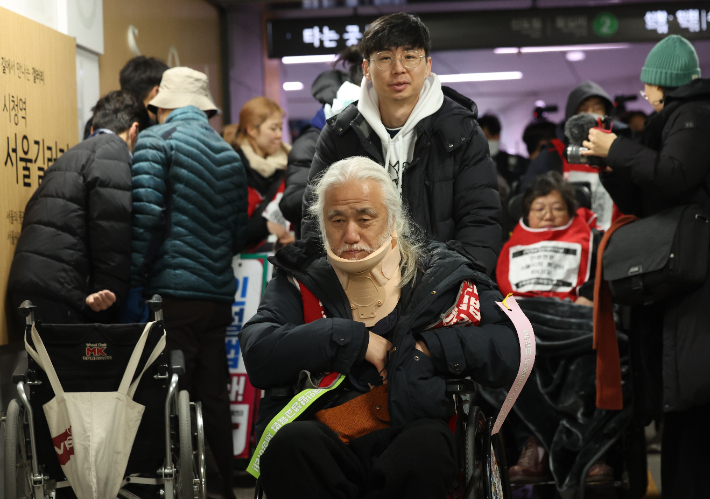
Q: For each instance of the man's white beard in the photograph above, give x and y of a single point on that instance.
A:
(364, 247)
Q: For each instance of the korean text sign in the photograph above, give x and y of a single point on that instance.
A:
(38, 116)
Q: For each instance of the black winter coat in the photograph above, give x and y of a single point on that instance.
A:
(299, 164)
(76, 233)
(450, 188)
(277, 345)
(672, 168)
(257, 230)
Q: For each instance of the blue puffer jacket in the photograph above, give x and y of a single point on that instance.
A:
(207, 215)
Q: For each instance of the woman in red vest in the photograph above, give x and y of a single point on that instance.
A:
(551, 253)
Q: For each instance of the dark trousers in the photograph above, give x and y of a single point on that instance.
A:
(685, 453)
(306, 459)
(199, 329)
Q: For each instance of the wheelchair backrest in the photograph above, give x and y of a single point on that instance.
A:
(93, 358)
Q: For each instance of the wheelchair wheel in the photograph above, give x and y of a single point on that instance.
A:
(198, 442)
(18, 467)
(473, 458)
(184, 465)
(496, 484)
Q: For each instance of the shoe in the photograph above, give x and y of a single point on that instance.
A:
(533, 465)
(599, 473)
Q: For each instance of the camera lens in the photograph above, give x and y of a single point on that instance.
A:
(574, 155)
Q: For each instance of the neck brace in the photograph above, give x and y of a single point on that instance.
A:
(371, 284)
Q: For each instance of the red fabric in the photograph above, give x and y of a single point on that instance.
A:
(579, 231)
(312, 307)
(255, 198)
(609, 395)
(328, 380)
(466, 310)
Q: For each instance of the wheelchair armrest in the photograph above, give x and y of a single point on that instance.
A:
(460, 386)
(177, 362)
(281, 393)
(20, 373)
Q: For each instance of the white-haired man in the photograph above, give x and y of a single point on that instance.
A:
(383, 302)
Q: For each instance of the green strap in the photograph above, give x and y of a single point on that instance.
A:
(293, 409)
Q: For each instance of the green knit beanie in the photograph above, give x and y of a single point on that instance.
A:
(673, 62)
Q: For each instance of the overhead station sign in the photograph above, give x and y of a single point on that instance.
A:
(509, 28)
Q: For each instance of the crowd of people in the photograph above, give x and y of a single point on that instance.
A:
(397, 223)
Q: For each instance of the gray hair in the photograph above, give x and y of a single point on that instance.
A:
(361, 169)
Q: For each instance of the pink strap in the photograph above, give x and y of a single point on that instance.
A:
(526, 338)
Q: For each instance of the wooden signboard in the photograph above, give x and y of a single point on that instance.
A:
(37, 123)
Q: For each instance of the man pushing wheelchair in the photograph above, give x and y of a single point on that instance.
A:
(381, 319)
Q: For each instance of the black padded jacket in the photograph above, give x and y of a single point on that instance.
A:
(76, 232)
(299, 163)
(277, 345)
(450, 188)
(672, 168)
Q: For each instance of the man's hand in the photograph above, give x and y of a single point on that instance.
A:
(376, 354)
(101, 300)
(599, 143)
(421, 346)
(584, 301)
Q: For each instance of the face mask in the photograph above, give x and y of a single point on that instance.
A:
(494, 147)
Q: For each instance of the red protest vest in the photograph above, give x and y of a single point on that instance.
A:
(602, 203)
(547, 262)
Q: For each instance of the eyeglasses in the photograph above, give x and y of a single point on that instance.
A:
(384, 60)
(654, 103)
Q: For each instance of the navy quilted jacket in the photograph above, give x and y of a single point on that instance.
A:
(207, 214)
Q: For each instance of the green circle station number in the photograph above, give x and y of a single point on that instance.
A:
(606, 24)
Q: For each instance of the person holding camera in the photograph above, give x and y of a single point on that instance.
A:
(586, 100)
(670, 169)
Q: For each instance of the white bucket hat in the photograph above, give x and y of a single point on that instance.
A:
(182, 87)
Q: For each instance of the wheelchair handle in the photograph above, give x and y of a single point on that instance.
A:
(27, 310)
(155, 304)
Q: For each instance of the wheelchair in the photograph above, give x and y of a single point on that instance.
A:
(483, 470)
(168, 455)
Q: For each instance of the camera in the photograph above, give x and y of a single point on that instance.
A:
(577, 131)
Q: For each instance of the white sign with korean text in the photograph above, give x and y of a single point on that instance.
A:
(545, 266)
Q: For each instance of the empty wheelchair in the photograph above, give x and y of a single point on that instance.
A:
(167, 457)
(483, 470)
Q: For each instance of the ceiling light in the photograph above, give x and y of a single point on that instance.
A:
(290, 86)
(539, 103)
(567, 48)
(503, 75)
(575, 55)
(306, 59)
(506, 50)
(561, 48)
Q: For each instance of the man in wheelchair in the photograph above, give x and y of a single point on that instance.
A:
(395, 316)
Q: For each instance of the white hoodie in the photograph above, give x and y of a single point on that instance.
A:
(398, 151)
